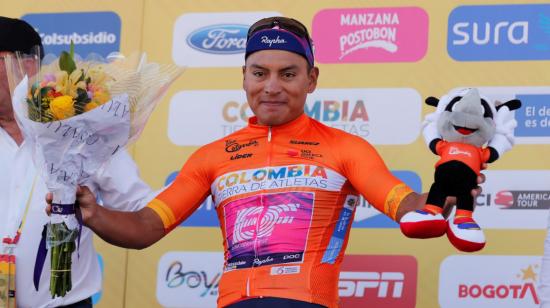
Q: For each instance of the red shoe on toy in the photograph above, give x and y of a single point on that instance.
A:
(425, 223)
(464, 233)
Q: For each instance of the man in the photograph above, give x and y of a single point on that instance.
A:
(22, 191)
(285, 187)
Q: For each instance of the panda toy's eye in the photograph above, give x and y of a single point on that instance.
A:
(452, 103)
(487, 112)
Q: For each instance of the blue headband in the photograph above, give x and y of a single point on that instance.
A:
(279, 39)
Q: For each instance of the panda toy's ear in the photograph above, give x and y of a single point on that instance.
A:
(432, 101)
(512, 105)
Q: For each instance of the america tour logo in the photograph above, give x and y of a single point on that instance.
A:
(364, 35)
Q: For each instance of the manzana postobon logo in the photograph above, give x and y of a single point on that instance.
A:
(219, 39)
(499, 32)
(90, 32)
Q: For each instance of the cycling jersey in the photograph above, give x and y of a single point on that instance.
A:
(471, 155)
(285, 198)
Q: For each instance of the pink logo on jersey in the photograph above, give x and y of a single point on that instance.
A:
(260, 226)
(398, 34)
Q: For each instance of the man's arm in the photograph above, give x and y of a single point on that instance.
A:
(135, 230)
(416, 201)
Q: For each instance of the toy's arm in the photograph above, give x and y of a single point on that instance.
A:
(505, 123)
(435, 146)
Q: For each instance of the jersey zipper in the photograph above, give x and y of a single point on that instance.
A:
(269, 150)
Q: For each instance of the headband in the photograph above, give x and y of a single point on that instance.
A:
(279, 39)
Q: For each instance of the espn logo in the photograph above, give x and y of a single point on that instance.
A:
(378, 281)
(387, 284)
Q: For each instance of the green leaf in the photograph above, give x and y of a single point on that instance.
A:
(71, 50)
(66, 62)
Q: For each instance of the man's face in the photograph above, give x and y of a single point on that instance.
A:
(24, 65)
(276, 83)
(4, 85)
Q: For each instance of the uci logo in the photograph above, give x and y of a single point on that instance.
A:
(219, 39)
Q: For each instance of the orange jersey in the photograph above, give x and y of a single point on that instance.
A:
(470, 155)
(285, 198)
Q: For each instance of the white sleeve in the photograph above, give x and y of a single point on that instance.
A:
(120, 186)
(544, 282)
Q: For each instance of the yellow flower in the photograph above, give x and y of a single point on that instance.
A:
(61, 81)
(89, 106)
(101, 97)
(62, 107)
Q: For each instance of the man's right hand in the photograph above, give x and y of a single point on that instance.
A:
(86, 200)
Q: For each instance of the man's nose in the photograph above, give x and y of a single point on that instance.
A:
(272, 85)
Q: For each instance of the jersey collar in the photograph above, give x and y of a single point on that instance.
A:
(290, 127)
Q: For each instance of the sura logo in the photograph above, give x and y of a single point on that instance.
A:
(499, 32)
(515, 33)
(219, 39)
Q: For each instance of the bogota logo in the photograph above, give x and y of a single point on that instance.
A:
(524, 290)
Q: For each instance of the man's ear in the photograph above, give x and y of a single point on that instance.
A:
(313, 77)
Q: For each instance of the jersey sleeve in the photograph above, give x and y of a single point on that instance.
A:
(190, 188)
(368, 174)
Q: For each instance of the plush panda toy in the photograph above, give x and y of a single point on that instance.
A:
(466, 131)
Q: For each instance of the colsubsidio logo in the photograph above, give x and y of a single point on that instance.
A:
(499, 32)
(219, 39)
(91, 32)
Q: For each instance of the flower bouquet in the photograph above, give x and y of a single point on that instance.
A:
(77, 114)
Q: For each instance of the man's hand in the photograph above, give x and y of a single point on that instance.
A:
(415, 201)
(85, 199)
(451, 201)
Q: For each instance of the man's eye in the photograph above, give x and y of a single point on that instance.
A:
(288, 75)
(258, 73)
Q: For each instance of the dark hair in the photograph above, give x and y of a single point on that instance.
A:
(17, 35)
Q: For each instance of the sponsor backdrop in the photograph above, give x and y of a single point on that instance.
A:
(379, 60)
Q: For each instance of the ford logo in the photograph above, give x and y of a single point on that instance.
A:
(219, 39)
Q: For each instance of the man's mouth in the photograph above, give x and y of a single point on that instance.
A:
(464, 130)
